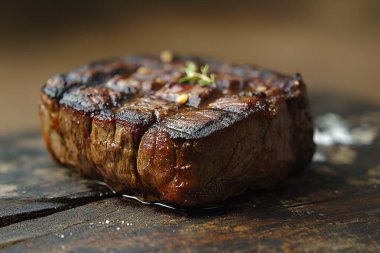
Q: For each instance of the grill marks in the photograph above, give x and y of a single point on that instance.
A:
(89, 75)
(117, 120)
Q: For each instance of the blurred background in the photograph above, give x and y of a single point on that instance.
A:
(335, 44)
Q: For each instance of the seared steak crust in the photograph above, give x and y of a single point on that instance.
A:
(119, 121)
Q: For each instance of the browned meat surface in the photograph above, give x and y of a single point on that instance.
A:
(131, 123)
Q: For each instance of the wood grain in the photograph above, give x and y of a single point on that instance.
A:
(32, 185)
(333, 206)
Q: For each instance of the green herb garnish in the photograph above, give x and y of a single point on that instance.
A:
(192, 76)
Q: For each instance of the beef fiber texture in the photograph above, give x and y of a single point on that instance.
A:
(132, 123)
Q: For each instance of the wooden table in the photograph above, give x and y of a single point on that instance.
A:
(332, 206)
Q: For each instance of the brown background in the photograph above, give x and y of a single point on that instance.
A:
(334, 44)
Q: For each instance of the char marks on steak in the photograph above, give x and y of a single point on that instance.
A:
(119, 121)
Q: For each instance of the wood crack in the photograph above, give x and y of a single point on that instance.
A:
(10, 243)
(70, 203)
(307, 203)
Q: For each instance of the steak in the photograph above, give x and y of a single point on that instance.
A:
(132, 123)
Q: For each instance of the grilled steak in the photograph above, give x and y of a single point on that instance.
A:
(131, 123)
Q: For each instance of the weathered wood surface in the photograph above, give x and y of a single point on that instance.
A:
(332, 206)
(32, 185)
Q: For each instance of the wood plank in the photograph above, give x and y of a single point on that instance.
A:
(32, 185)
(332, 206)
(339, 224)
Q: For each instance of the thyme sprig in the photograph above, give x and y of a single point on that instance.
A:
(192, 76)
